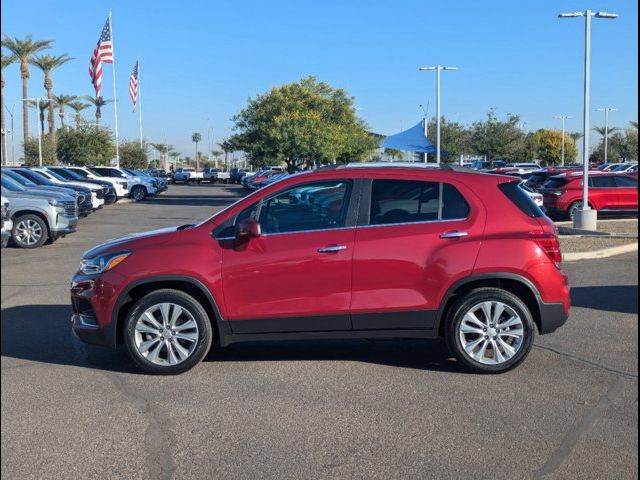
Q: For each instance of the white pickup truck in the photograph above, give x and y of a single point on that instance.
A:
(214, 175)
(187, 175)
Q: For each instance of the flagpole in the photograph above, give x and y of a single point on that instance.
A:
(140, 103)
(115, 96)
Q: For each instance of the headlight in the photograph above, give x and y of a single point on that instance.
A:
(55, 203)
(103, 263)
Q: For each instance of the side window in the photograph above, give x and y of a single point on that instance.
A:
(306, 207)
(454, 206)
(603, 182)
(626, 182)
(400, 201)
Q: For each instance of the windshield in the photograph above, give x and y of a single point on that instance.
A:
(80, 174)
(11, 184)
(55, 175)
(556, 183)
(35, 177)
(20, 179)
(65, 174)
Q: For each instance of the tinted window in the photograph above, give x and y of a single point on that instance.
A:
(537, 178)
(521, 199)
(399, 201)
(626, 182)
(602, 182)
(556, 183)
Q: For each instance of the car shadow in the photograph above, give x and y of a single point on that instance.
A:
(609, 298)
(41, 333)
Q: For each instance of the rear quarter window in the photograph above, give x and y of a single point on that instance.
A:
(519, 197)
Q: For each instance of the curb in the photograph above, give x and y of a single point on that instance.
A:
(604, 253)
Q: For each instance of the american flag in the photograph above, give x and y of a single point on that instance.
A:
(133, 85)
(102, 53)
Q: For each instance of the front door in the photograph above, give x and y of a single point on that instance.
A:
(297, 275)
(627, 192)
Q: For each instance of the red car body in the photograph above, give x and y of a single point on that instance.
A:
(393, 280)
(608, 193)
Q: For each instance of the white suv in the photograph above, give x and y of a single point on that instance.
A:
(140, 186)
(119, 184)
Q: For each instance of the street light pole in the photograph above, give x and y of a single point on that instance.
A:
(37, 101)
(586, 218)
(563, 118)
(438, 69)
(606, 111)
(425, 121)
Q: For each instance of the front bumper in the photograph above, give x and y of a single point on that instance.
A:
(64, 225)
(6, 235)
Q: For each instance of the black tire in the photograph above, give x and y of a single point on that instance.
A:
(462, 306)
(22, 222)
(187, 302)
(138, 193)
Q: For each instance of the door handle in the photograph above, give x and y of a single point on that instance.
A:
(332, 249)
(450, 235)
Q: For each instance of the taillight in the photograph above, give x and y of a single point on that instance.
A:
(549, 243)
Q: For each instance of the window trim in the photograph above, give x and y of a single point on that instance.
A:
(364, 217)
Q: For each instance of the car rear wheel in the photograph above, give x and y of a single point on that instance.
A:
(490, 331)
(167, 332)
(138, 193)
(29, 231)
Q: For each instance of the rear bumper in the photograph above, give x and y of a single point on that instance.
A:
(552, 317)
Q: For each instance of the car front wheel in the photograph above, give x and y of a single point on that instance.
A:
(138, 193)
(29, 231)
(490, 331)
(167, 332)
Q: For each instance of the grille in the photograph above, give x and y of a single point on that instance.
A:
(70, 209)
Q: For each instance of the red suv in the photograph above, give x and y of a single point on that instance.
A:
(608, 193)
(346, 252)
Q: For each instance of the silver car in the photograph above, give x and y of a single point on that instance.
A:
(7, 224)
(38, 217)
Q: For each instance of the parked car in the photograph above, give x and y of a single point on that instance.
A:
(7, 224)
(524, 167)
(270, 179)
(157, 172)
(471, 259)
(98, 192)
(140, 185)
(625, 168)
(38, 217)
(110, 195)
(187, 175)
(215, 175)
(119, 184)
(237, 174)
(159, 183)
(81, 195)
(488, 164)
(608, 193)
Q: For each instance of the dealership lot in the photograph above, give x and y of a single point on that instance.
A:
(332, 409)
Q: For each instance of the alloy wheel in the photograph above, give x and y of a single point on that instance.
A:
(491, 333)
(166, 334)
(575, 208)
(28, 232)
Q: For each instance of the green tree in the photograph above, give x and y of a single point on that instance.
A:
(49, 63)
(24, 50)
(61, 102)
(78, 106)
(42, 117)
(301, 123)
(455, 139)
(31, 155)
(6, 61)
(85, 145)
(98, 103)
(196, 138)
(132, 155)
(548, 146)
(394, 154)
(497, 139)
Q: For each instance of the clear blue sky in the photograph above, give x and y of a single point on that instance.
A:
(201, 60)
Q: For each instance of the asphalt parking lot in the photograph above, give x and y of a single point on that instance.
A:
(293, 410)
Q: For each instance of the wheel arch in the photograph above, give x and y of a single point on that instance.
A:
(139, 288)
(38, 213)
(520, 286)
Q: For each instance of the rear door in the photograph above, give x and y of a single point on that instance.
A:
(413, 238)
(627, 192)
(604, 192)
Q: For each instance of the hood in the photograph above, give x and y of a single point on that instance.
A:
(130, 242)
(47, 195)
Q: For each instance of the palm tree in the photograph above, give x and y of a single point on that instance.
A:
(576, 136)
(195, 138)
(48, 63)
(6, 61)
(604, 130)
(228, 146)
(78, 106)
(24, 50)
(43, 108)
(62, 101)
(164, 150)
(98, 103)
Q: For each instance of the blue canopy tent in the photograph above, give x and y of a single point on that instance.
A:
(412, 140)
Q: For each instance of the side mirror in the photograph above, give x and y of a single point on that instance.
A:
(248, 228)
